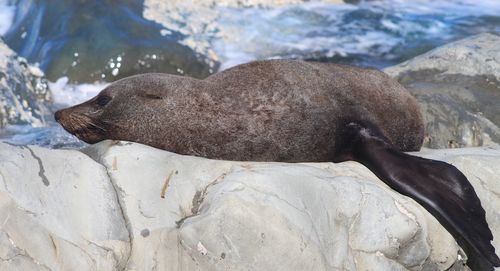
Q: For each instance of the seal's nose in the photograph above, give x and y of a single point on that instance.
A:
(58, 115)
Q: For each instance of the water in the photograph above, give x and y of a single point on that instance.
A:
(6, 16)
(97, 40)
(374, 33)
(77, 44)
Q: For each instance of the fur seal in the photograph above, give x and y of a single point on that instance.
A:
(291, 111)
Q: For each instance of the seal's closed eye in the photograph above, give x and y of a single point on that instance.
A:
(103, 100)
(151, 96)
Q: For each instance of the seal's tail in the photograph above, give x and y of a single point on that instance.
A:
(439, 187)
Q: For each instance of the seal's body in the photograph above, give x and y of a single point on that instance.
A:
(285, 110)
(261, 111)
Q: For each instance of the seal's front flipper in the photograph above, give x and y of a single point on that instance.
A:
(439, 187)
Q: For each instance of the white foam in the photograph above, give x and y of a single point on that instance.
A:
(7, 12)
(249, 34)
(319, 29)
(449, 8)
(66, 94)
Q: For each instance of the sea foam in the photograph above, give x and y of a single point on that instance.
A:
(7, 11)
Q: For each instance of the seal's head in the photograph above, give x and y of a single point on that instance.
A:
(120, 111)
(86, 120)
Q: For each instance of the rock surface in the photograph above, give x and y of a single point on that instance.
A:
(24, 92)
(458, 87)
(58, 212)
(476, 55)
(135, 207)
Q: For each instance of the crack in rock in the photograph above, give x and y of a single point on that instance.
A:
(119, 192)
(108, 250)
(94, 262)
(41, 171)
(27, 257)
(24, 253)
(198, 199)
(128, 224)
(56, 251)
(4, 181)
(141, 211)
(8, 259)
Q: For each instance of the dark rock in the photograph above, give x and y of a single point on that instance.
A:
(458, 88)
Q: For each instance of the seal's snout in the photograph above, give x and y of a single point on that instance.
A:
(58, 115)
(76, 122)
(64, 118)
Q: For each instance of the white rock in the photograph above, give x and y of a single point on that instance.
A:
(188, 213)
(476, 55)
(457, 87)
(58, 212)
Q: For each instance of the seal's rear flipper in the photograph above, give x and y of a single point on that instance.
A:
(439, 187)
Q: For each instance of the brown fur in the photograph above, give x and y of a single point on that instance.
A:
(275, 110)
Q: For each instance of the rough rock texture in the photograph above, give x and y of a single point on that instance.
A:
(139, 208)
(24, 92)
(476, 55)
(458, 87)
(202, 17)
(58, 211)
